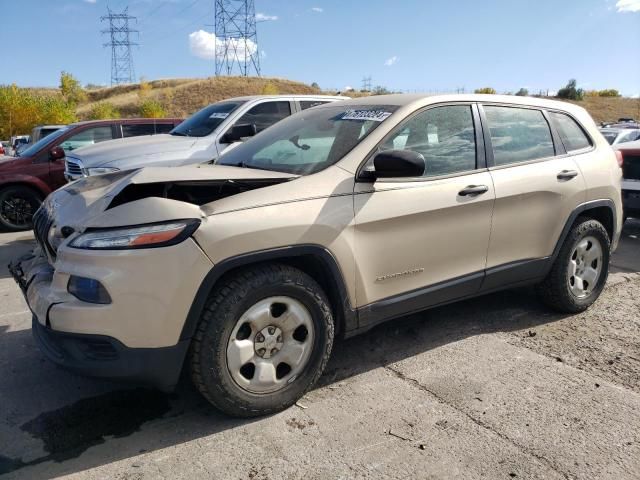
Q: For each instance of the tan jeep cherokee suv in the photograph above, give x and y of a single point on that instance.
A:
(330, 222)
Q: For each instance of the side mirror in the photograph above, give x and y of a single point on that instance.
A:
(398, 163)
(56, 153)
(238, 132)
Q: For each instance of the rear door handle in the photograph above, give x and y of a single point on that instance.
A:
(473, 190)
(567, 174)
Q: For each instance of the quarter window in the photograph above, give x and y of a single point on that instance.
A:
(445, 136)
(265, 114)
(572, 136)
(518, 134)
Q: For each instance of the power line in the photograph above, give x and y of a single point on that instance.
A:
(122, 70)
(236, 38)
(366, 84)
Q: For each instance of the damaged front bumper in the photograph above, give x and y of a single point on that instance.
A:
(137, 337)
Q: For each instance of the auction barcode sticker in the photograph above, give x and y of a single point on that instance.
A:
(364, 115)
(222, 115)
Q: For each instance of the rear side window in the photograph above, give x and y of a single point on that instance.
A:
(304, 104)
(266, 114)
(518, 134)
(139, 129)
(571, 134)
(445, 136)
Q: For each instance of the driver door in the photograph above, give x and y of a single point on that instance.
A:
(423, 241)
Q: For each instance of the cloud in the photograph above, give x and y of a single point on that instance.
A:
(203, 45)
(390, 61)
(320, 10)
(263, 17)
(628, 5)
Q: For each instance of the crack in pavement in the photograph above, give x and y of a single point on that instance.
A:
(415, 383)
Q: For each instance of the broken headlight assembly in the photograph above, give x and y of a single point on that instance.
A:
(151, 235)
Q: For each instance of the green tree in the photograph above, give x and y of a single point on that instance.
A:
(103, 111)
(523, 92)
(152, 109)
(571, 91)
(486, 90)
(71, 89)
(611, 92)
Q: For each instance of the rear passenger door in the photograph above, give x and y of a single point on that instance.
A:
(537, 186)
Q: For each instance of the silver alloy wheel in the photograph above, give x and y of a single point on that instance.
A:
(585, 266)
(270, 345)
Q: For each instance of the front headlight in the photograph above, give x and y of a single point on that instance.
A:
(100, 170)
(142, 236)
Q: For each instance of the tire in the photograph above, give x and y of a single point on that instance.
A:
(17, 206)
(278, 296)
(561, 288)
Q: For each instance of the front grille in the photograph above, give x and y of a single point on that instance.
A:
(42, 222)
(73, 167)
(631, 167)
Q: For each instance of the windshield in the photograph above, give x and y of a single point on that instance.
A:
(309, 141)
(35, 148)
(205, 121)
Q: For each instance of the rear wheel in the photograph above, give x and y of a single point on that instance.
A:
(580, 271)
(17, 206)
(263, 340)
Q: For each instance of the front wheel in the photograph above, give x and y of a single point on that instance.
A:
(263, 340)
(580, 271)
(17, 206)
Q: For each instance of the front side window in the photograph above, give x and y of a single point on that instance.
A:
(311, 141)
(265, 114)
(444, 136)
(518, 134)
(87, 137)
(572, 136)
(205, 121)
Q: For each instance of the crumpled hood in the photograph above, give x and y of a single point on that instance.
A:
(106, 153)
(86, 202)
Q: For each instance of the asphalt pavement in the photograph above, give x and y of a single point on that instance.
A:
(495, 387)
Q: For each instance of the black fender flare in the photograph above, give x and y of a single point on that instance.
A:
(328, 261)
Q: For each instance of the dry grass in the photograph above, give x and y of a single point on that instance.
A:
(181, 97)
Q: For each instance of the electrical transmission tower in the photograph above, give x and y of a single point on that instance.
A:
(236, 38)
(366, 84)
(120, 42)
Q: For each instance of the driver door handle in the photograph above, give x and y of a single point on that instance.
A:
(473, 190)
(567, 174)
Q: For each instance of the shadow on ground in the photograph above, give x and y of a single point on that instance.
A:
(82, 420)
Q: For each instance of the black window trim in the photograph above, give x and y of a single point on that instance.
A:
(481, 160)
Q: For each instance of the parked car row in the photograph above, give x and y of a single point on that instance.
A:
(321, 226)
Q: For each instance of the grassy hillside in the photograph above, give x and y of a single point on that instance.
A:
(182, 97)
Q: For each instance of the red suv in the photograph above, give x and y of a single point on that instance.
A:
(27, 179)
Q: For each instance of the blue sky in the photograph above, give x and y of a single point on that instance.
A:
(409, 45)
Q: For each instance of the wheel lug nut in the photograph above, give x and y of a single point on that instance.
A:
(272, 330)
(260, 337)
(279, 338)
(262, 351)
(274, 351)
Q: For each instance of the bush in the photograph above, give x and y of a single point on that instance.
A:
(103, 111)
(611, 92)
(485, 90)
(571, 92)
(21, 110)
(152, 109)
(71, 89)
(270, 89)
(145, 88)
(523, 92)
